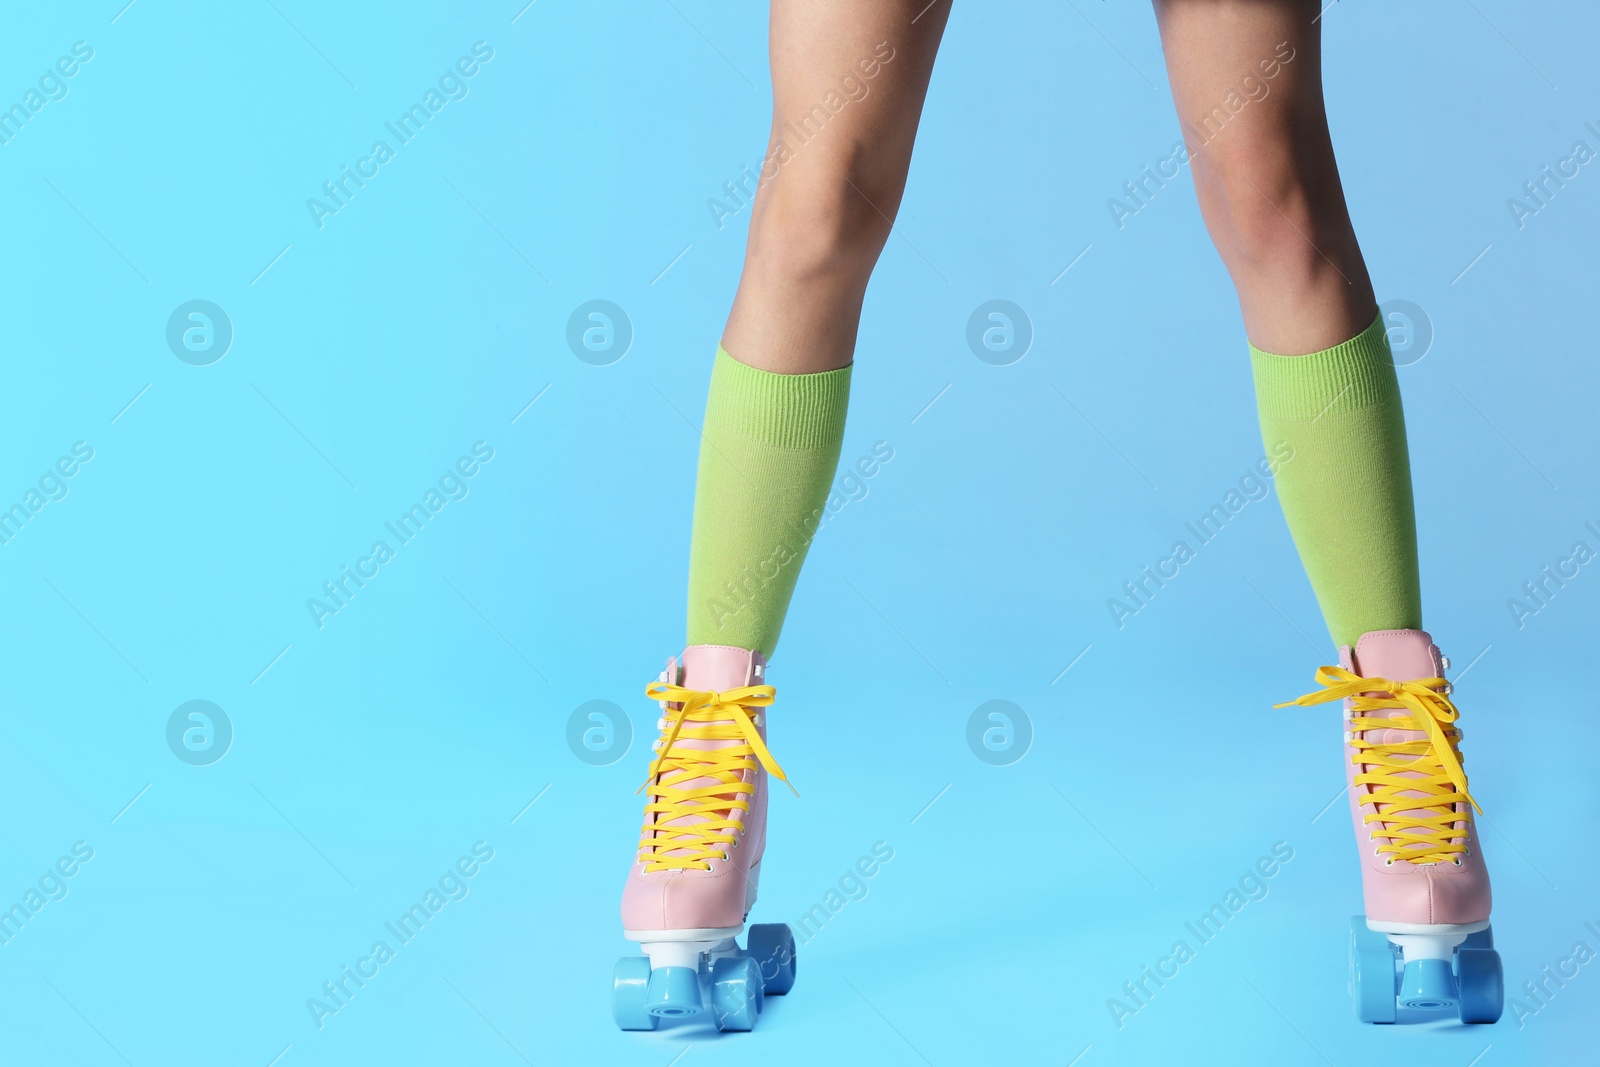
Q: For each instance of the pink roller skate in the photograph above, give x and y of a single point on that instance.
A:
(1424, 943)
(699, 861)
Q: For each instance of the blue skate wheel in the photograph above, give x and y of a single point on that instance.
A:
(735, 992)
(1372, 986)
(1482, 939)
(674, 993)
(1481, 983)
(772, 947)
(628, 988)
(1428, 985)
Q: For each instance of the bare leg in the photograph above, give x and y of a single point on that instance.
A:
(1264, 168)
(849, 78)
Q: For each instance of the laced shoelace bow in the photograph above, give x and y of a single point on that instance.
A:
(702, 715)
(1430, 767)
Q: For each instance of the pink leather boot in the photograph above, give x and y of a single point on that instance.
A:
(694, 878)
(1422, 872)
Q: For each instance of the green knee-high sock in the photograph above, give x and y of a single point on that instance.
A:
(1346, 488)
(769, 450)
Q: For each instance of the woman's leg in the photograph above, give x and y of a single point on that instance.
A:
(1247, 79)
(849, 79)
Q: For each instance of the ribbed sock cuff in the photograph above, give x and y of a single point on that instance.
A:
(1347, 377)
(801, 411)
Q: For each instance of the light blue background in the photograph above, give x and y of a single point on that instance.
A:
(369, 354)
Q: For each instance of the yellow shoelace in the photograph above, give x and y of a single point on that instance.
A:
(1435, 761)
(702, 715)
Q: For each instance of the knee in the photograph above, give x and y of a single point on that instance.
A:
(826, 219)
(1261, 207)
